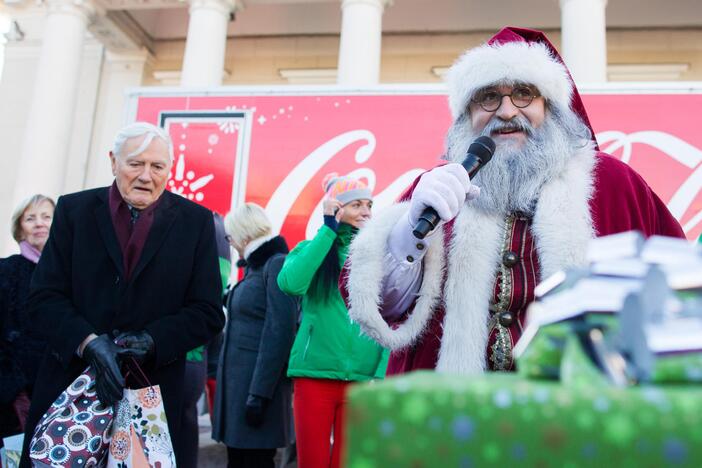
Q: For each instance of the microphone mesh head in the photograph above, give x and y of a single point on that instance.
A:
(483, 147)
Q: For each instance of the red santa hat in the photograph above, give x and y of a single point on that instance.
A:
(510, 56)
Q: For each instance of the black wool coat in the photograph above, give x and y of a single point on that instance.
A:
(21, 348)
(254, 359)
(79, 288)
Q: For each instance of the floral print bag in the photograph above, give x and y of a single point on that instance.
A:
(140, 436)
(75, 430)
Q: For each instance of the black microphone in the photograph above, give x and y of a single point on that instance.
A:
(479, 153)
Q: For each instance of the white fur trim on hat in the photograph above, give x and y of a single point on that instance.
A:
(524, 62)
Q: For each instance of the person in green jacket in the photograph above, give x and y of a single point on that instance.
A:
(329, 352)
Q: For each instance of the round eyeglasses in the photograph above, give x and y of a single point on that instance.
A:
(490, 99)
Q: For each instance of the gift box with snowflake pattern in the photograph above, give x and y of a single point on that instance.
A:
(426, 419)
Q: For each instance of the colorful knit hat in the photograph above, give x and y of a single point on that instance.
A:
(345, 189)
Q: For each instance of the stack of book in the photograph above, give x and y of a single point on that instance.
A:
(637, 309)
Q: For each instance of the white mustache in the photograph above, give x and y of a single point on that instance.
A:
(518, 123)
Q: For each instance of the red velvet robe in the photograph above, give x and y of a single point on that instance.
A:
(621, 202)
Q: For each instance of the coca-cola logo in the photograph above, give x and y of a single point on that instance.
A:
(291, 188)
(676, 149)
(275, 150)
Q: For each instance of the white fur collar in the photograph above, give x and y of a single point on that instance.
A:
(256, 243)
(562, 228)
(563, 223)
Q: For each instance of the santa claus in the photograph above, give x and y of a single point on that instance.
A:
(456, 301)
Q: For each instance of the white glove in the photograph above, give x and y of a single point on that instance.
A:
(444, 188)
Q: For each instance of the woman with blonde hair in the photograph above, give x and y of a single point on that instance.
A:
(20, 349)
(252, 411)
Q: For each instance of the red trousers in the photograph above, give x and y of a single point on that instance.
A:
(319, 406)
(210, 387)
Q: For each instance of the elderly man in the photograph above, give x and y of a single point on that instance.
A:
(128, 269)
(456, 301)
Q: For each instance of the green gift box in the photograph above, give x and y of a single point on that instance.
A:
(678, 368)
(427, 419)
(542, 357)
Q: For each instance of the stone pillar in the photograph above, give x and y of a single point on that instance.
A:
(203, 63)
(359, 48)
(584, 43)
(120, 71)
(47, 134)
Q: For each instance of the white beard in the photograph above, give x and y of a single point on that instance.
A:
(513, 178)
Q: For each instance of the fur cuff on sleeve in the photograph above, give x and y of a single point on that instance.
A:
(366, 277)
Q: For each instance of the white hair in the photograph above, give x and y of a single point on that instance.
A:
(137, 129)
(246, 223)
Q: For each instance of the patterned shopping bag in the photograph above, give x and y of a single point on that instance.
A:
(140, 436)
(75, 430)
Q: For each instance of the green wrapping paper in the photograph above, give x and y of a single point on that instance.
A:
(678, 368)
(543, 358)
(426, 419)
(577, 370)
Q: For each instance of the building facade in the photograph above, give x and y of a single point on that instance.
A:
(69, 62)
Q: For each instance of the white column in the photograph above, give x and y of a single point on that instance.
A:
(120, 71)
(47, 134)
(584, 43)
(359, 48)
(203, 63)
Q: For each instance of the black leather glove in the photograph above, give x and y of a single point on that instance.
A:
(255, 409)
(138, 345)
(103, 355)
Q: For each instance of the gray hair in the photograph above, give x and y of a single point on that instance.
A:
(21, 208)
(137, 129)
(247, 223)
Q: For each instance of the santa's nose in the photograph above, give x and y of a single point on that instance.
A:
(507, 110)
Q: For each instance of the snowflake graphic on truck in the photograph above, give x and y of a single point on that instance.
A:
(185, 184)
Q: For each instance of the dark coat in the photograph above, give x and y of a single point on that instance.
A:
(21, 349)
(259, 334)
(79, 288)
